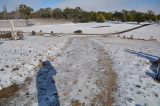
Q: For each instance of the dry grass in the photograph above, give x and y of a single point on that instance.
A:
(20, 35)
(146, 62)
(76, 103)
(9, 94)
(8, 35)
(105, 96)
(39, 65)
(152, 38)
(5, 35)
(51, 58)
(9, 91)
(105, 84)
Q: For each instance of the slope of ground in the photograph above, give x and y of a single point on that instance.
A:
(83, 66)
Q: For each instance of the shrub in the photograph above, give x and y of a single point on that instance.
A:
(124, 37)
(131, 37)
(33, 33)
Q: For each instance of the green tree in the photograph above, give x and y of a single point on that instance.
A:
(150, 16)
(100, 18)
(139, 17)
(93, 16)
(78, 14)
(132, 15)
(44, 12)
(57, 13)
(68, 13)
(108, 16)
(86, 17)
(129, 16)
(25, 12)
(118, 16)
(158, 17)
(126, 16)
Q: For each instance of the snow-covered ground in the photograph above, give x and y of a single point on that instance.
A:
(107, 27)
(19, 60)
(17, 56)
(132, 63)
(145, 32)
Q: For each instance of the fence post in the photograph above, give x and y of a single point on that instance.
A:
(13, 32)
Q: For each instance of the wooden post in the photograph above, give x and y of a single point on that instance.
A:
(12, 25)
(13, 33)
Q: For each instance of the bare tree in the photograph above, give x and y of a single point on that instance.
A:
(5, 12)
(17, 14)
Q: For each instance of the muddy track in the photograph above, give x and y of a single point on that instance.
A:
(94, 78)
(108, 81)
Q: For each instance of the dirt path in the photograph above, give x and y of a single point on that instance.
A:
(85, 75)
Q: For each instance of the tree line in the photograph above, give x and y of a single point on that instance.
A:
(79, 15)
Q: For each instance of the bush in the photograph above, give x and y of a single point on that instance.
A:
(100, 18)
(139, 17)
(33, 33)
(131, 37)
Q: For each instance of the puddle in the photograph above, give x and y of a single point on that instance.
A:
(100, 26)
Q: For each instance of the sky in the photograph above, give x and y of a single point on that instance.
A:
(89, 5)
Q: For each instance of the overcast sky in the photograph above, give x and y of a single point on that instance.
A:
(90, 5)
